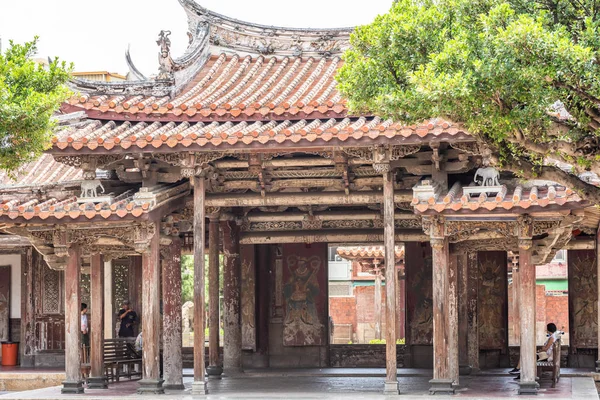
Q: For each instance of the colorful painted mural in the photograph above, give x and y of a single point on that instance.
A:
(305, 294)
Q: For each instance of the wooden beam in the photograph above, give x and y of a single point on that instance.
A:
(199, 385)
(97, 379)
(302, 199)
(172, 340)
(73, 382)
(391, 364)
(332, 236)
(324, 216)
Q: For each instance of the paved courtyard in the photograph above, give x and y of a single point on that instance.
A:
(355, 384)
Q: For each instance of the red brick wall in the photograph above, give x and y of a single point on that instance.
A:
(548, 309)
(557, 311)
(343, 310)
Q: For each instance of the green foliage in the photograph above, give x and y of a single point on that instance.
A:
(382, 341)
(187, 277)
(496, 66)
(29, 95)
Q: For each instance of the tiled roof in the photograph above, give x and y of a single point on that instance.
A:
(43, 171)
(355, 252)
(128, 135)
(235, 87)
(427, 198)
(129, 203)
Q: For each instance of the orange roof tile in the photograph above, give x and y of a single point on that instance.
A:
(241, 134)
(234, 87)
(354, 252)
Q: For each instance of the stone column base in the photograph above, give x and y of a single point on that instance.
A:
(72, 387)
(97, 382)
(151, 386)
(441, 386)
(173, 386)
(528, 387)
(199, 388)
(464, 370)
(214, 371)
(391, 388)
(232, 371)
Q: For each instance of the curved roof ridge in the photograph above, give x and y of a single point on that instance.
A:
(192, 5)
(231, 33)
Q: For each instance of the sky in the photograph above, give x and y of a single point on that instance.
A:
(94, 34)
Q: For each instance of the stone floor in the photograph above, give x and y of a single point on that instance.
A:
(325, 384)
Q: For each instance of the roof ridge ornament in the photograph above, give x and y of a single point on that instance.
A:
(166, 64)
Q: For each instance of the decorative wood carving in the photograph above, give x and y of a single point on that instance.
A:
(419, 295)
(583, 299)
(493, 301)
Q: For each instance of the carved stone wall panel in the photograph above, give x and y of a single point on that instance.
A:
(247, 253)
(419, 293)
(583, 299)
(305, 294)
(493, 300)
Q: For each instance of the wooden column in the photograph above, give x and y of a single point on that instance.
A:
(151, 382)
(214, 369)
(527, 384)
(109, 315)
(515, 307)
(442, 381)
(27, 316)
(232, 344)
(263, 273)
(172, 340)
(598, 277)
(401, 307)
(97, 379)
(453, 319)
(199, 384)
(391, 364)
(377, 303)
(463, 305)
(73, 383)
(472, 321)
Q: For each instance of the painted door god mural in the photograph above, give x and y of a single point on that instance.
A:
(493, 300)
(583, 299)
(305, 297)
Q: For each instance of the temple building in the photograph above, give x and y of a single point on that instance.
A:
(244, 147)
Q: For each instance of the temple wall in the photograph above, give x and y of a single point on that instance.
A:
(583, 308)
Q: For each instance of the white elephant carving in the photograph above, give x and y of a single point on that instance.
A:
(489, 176)
(90, 188)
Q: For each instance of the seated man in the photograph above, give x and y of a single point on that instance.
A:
(546, 354)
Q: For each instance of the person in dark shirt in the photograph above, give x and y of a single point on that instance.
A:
(128, 318)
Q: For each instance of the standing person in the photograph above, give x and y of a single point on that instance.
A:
(85, 333)
(128, 318)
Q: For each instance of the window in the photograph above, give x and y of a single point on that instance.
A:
(561, 256)
(332, 254)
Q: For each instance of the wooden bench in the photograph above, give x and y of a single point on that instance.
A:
(552, 366)
(120, 353)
